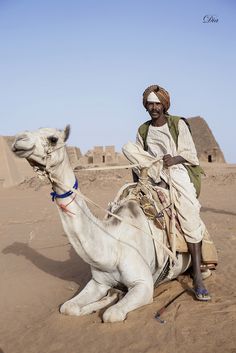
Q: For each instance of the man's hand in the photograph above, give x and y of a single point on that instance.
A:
(169, 160)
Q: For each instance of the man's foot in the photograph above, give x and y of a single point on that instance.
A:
(199, 290)
(201, 294)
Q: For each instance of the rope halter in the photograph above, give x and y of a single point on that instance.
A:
(66, 194)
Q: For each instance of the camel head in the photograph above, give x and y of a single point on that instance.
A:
(42, 148)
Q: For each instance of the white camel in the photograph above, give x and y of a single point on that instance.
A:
(120, 255)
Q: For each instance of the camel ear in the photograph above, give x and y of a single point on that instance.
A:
(66, 132)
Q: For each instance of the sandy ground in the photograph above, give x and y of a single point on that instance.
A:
(40, 270)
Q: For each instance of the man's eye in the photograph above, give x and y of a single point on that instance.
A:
(53, 140)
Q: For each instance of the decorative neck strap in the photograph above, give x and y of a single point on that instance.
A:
(66, 194)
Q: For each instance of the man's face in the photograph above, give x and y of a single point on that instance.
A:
(155, 110)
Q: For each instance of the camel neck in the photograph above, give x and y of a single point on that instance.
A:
(81, 226)
(62, 176)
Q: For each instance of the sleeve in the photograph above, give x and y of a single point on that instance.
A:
(186, 146)
(139, 140)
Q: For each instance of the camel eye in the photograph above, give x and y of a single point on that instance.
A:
(53, 140)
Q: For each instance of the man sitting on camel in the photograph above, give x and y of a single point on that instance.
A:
(169, 138)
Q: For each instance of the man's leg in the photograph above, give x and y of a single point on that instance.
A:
(198, 285)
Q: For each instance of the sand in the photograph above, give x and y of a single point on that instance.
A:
(40, 270)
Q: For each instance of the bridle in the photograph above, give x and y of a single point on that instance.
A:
(46, 172)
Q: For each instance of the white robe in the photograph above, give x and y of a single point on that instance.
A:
(160, 143)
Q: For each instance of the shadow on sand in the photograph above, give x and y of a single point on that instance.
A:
(215, 210)
(73, 269)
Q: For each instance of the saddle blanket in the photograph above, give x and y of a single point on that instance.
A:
(155, 203)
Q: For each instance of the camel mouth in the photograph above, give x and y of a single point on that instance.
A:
(22, 153)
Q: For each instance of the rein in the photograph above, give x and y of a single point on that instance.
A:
(78, 192)
(85, 198)
(64, 207)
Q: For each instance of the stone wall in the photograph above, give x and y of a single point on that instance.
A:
(102, 155)
(74, 154)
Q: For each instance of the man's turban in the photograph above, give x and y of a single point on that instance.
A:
(161, 94)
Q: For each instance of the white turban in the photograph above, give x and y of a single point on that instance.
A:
(152, 97)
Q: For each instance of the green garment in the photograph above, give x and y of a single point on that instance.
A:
(194, 171)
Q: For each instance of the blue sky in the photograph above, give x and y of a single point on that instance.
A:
(87, 63)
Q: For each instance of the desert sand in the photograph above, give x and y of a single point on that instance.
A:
(40, 271)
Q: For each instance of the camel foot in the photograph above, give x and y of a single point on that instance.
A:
(114, 314)
(70, 308)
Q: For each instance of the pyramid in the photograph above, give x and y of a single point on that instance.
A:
(12, 170)
(208, 149)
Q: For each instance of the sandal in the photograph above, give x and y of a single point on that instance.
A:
(202, 294)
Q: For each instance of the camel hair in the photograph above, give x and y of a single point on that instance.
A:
(120, 256)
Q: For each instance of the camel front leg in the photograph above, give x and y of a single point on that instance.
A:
(140, 293)
(88, 300)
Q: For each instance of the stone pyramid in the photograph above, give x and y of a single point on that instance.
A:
(11, 170)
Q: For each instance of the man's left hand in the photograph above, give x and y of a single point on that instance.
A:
(169, 160)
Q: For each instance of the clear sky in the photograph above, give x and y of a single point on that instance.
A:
(88, 62)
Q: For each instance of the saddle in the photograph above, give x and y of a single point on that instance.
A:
(154, 202)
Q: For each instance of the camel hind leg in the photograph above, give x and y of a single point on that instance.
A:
(88, 300)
